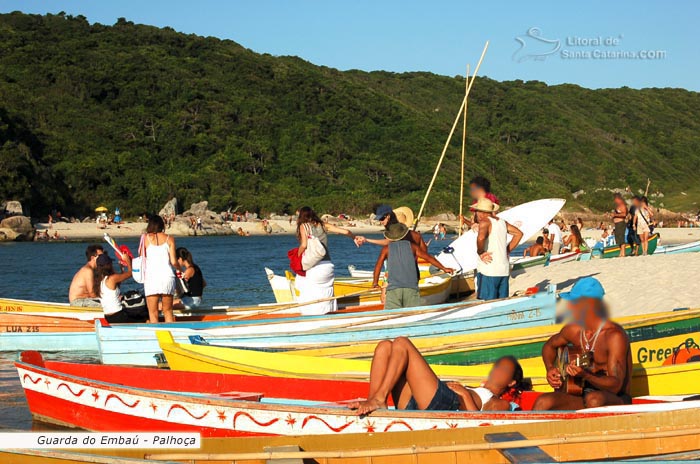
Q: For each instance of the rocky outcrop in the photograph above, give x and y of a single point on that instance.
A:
(169, 209)
(16, 228)
(12, 208)
(201, 210)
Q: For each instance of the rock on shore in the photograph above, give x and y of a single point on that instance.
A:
(16, 228)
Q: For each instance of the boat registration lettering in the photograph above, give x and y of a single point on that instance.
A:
(23, 329)
(515, 316)
(645, 354)
(12, 308)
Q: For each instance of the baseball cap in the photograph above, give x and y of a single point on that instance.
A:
(383, 210)
(588, 287)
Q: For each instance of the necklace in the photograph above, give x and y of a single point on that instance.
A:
(590, 344)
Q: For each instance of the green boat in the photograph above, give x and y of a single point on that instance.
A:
(685, 326)
(614, 251)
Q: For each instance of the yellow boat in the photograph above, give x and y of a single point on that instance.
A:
(434, 290)
(679, 379)
(521, 342)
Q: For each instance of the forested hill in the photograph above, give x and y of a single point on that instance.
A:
(128, 115)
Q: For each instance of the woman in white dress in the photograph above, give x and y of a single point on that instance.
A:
(319, 280)
(159, 282)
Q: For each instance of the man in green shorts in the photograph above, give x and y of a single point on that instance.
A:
(402, 267)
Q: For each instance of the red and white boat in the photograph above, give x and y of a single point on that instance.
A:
(113, 398)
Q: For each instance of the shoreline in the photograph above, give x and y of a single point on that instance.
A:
(82, 232)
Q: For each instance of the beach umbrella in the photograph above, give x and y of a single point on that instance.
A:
(101, 209)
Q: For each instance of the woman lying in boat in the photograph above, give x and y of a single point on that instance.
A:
(399, 369)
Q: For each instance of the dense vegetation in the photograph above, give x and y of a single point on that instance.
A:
(128, 115)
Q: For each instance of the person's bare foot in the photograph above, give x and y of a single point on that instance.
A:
(363, 408)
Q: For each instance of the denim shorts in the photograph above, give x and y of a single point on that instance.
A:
(444, 400)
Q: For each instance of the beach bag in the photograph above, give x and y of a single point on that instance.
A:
(315, 250)
(134, 305)
(138, 264)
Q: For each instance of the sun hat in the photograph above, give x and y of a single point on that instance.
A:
(405, 216)
(396, 232)
(588, 287)
(485, 206)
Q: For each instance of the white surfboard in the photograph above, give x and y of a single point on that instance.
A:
(529, 217)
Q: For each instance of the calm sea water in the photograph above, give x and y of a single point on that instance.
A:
(234, 268)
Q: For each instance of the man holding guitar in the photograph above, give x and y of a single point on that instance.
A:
(589, 362)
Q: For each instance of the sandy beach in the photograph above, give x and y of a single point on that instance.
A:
(633, 285)
(90, 231)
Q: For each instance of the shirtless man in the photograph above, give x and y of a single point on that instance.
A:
(537, 249)
(81, 291)
(607, 381)
(620, 220)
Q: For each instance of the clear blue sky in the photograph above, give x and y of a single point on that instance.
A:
(440, 36)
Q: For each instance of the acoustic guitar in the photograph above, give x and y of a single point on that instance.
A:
(572, 385)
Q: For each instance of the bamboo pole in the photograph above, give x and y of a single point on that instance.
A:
(271, 456)
(464, 147)
(449, 138)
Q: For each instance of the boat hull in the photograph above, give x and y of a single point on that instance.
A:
(89, 397)
(614, 251)
(128, 345)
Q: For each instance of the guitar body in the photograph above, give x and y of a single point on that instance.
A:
(572, 385)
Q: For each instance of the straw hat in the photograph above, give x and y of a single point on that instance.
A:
(396, 232)
(405, 216)
(485, 206)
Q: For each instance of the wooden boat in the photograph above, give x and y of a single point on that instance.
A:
(46, 456)
(462, 284)
(128, 344)
(562, 258)
(29, 325)
(212, 313)
(692, 247)
(650, 379)
(642, 437)
(487, 347)
(434, 289)
(114, 398)
(522, 263)
(614, 251)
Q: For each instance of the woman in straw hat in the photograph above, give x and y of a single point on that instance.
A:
(387, 216)
(493, 266)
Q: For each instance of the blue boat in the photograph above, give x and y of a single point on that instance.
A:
(83, 340)
(137, 345)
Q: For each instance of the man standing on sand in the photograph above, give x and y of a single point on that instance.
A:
(401, 255)
(606, 345)
(81, 292)
(620, 221)
(555, 237)
(493, 267)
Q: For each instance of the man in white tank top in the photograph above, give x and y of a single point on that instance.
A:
(493, 247)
